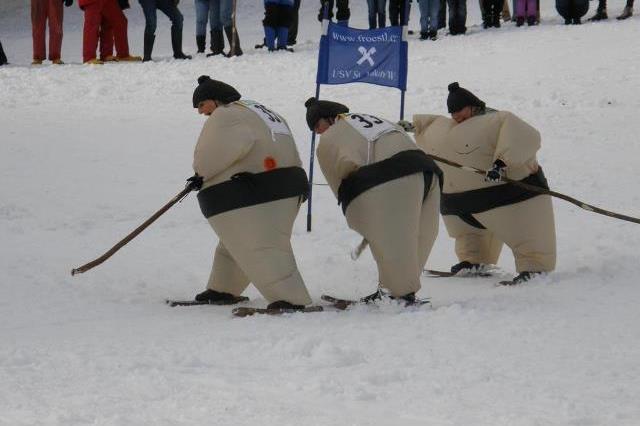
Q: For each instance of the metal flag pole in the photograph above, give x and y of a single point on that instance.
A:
(312, 155)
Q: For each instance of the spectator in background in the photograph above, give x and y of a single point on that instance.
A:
(276, 22)
(442, 15)
(429, 10)
(106, 36)
(293, 28)
(396, 12)
(377, 13)
(342, 13)
(41, 12)
(627, 12)
(572, 10)
(601, 12)
(3, 57)
(491, 11)
(169, 8)
(203, 15)
(526, 9)
(457, 16)
(108, 13)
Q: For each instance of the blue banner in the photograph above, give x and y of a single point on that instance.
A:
(349, 55)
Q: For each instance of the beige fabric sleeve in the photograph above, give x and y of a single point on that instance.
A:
(337, 163)
(223, 141)
(517, 143)
(422, 121)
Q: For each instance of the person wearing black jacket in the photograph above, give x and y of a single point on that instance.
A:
(342, 11)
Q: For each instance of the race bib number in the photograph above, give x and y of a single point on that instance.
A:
(369, 126)
(272, 119)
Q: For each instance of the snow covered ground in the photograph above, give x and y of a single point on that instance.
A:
(88, 153)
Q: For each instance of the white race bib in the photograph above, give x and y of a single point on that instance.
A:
(370, 126)
(272, 119)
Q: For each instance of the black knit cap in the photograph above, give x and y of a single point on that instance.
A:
(214, 90)
(317, 109)
(460, 98)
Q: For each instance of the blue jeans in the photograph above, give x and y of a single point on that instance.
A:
(377, 9)
(220, 14)
(429, 10)
(168, 7)
(202, 16)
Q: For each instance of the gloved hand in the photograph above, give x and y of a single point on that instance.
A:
(67, 3)
(407, 126)
(497, 172)
(124, 4)
(194, 183)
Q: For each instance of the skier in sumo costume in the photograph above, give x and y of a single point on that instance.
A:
(483, 213)
(388, 188)
(251, 185)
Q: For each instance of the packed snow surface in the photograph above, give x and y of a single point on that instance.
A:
(88, 153)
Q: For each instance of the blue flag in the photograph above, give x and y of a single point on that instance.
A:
(349, 55)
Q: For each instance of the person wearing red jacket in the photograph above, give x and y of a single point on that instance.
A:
(41, 12)
(104, 12)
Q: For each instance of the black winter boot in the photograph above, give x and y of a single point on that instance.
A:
(626, 13)
(214, 296)
(283, 304)
(601, 15)
(217, 43)
(148, 46)
(234, 42)
(201, 42)
(176, 43)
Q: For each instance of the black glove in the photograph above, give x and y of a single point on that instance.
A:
(497, 172)
(124, 4)
(194, 183)
(67, 3)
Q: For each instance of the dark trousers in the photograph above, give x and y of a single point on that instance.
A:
(442, 14)
(457, 16)
(342, 13)
(168, 7)
(293, 29)
(397, 12)
(491, 10)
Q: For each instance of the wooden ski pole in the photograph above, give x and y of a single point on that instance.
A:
(540, 190)
(357, 251)
(132, 235)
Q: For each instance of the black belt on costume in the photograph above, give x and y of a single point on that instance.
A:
(402, 164)
(248, 189)
(465, 204)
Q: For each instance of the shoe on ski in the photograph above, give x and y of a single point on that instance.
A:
(522, 277)
(466, 267)
(284, 305)
(213, 296)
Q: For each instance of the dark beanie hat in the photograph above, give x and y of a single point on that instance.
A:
(317, 109)
(214, 90)
(460, 98)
